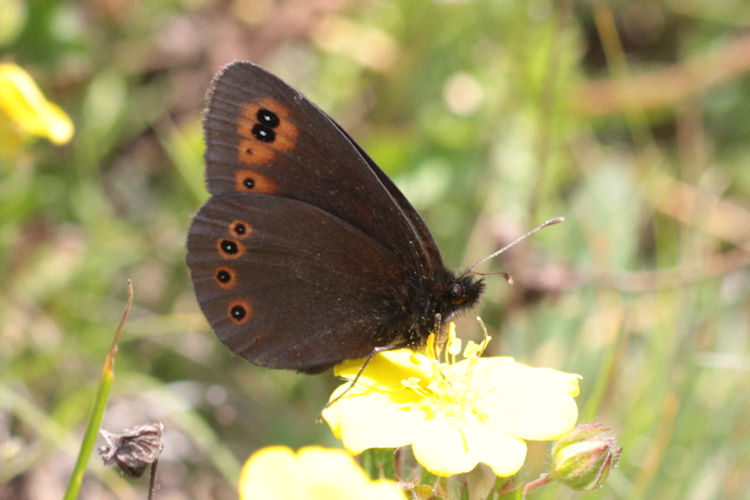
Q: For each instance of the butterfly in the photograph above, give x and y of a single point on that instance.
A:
(307, 254)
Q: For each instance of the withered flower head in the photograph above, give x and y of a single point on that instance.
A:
(132, 450)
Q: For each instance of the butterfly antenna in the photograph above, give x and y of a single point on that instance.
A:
(550, 222)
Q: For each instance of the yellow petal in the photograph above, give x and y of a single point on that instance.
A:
(504, 454)
(441, 447)
(531, 403)
(314, 473)
(23, 102)
(373, 421)
(331, 471)
(271, 473)
(388, 368)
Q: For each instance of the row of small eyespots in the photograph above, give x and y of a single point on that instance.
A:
(252, 154)
(239, 310)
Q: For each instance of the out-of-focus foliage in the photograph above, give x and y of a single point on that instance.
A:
(629, 118)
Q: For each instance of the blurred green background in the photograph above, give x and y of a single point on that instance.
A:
(629, 118)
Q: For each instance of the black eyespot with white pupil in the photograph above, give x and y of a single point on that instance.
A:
(268, 118)
(239, 228)
(263, 133)
(223, 276)
(248, 182)
(238, 312)
(229, 247)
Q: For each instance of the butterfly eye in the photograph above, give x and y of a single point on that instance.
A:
(457, 293)
(269, 118)
(466, 291)
(263, 133)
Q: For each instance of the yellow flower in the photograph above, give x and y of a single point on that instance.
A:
(313, 473)
(25, 106)
(455, 414)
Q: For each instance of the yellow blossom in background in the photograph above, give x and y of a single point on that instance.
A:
(455, 414)
(313, 473)
(24, 109)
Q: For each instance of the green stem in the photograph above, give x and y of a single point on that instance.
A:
(536, 483)
(97, 412)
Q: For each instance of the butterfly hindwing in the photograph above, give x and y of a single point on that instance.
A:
(266, 283)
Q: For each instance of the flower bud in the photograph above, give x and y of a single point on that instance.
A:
(583, 458)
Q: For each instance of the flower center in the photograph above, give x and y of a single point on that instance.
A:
(450, 393)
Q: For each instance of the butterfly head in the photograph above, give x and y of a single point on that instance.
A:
(465, 291)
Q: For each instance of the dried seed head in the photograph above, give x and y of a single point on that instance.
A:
(132, 450)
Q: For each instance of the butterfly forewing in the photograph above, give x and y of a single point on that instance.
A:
(304, 156)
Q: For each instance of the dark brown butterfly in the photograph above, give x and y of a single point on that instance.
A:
(307, 254)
